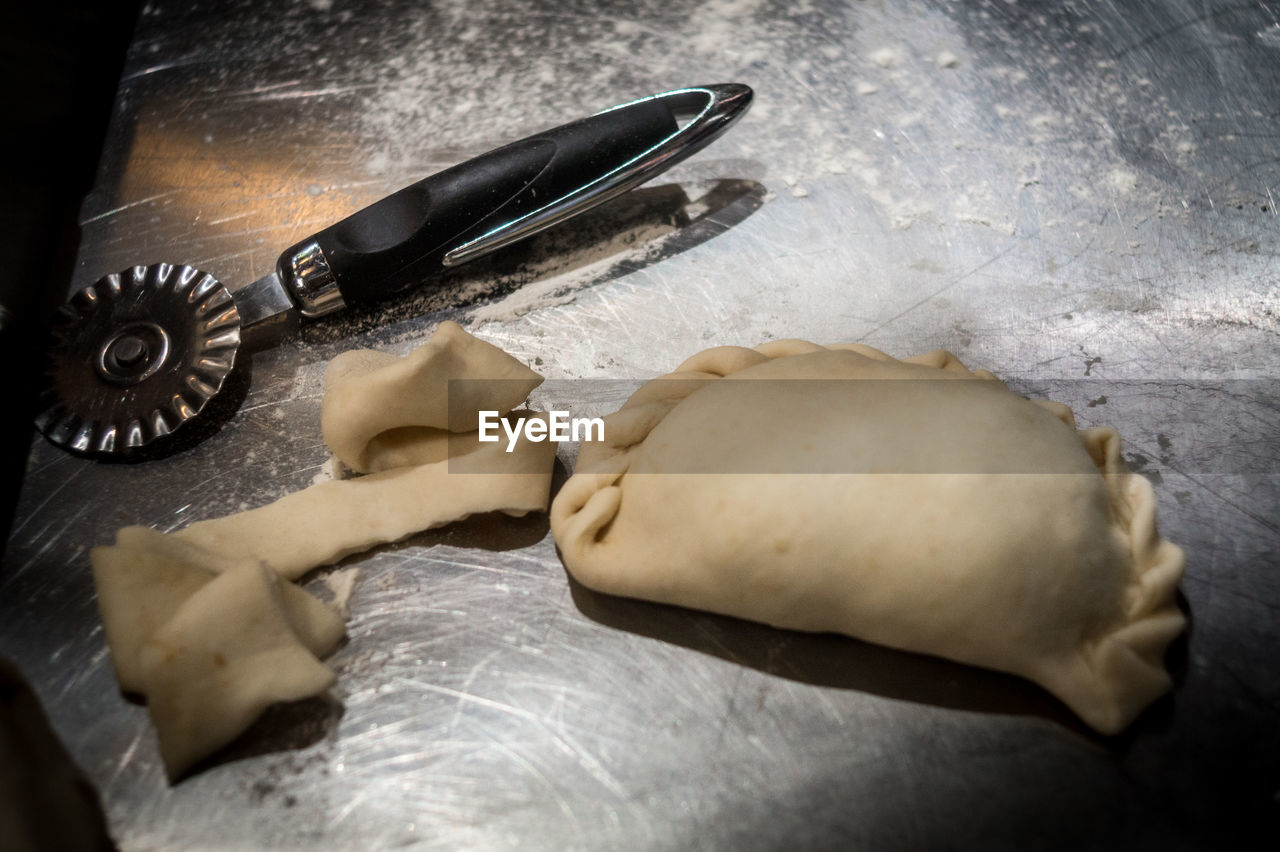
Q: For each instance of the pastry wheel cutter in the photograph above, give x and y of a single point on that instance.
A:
(140, 353)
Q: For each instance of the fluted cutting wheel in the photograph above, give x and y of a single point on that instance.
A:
(136, 355)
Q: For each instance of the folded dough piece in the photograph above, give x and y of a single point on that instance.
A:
(228, 653)
(146, 576)
(997, 534)
(395, 415)
(381, 411)
(322, 524)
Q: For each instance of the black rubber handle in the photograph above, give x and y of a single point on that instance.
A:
(398, 241)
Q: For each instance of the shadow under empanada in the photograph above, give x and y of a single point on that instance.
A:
(833, 660)
(492, 531)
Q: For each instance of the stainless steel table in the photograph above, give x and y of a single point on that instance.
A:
(1079, 196)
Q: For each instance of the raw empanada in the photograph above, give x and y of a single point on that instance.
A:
(911, 503)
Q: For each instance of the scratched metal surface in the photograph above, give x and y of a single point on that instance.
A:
(1079, 196)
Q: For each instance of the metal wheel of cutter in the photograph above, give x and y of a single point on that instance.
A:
(136, 355)
(140, 353)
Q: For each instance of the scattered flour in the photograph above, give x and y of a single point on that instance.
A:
(563, 287)
(557, 277)
(308, 381)
(332, 469)
(1121, 181)
(885, 57)
(949, 111)
(407, 121)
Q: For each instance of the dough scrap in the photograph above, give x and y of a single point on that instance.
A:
(1018, 543)
(409, 419)
(201, 622)
(228, 653)
(146, 576)
(381, 411)
(326, 522)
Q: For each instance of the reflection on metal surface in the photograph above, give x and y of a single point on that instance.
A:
(708, 112)
(312, 284)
